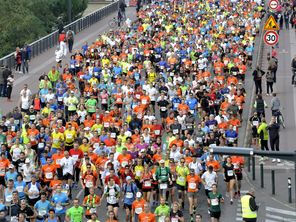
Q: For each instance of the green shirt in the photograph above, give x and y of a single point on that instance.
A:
(75, 214)
(162, 210)
(91, 105)
(262, 129)
(215, 201)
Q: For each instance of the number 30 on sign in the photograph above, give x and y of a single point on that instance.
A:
(271, 38)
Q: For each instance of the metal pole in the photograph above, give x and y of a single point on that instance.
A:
(295, 176)
(249, 164)
(272, 182)
(69, 11)
(289, 190)
(262, 175)
(253, 168)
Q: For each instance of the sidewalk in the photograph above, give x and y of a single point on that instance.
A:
(287, 95)
(45, 61)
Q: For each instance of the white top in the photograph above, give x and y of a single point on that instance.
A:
(210, 179)
(67, 165)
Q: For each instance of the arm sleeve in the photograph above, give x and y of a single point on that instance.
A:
(253, 204)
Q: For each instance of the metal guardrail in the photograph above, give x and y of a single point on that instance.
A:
(49, 41)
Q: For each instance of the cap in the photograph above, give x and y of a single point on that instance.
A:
(27, 161)
(138, 194)
(128, 178)
(31, 107)
(10, 166)
(86, 128)
(161, 161)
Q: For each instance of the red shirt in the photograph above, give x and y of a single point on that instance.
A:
(116, 179)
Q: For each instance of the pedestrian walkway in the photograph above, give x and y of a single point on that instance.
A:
(44, 62)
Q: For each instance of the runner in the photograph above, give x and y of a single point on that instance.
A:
(229, 178)
(214, 200)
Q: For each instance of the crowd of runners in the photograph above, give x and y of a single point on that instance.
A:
(129, 119)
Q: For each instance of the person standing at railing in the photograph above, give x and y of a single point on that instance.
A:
(2, 81)
(25, 52)
(10, 81)
(70, 40)
(18, 59)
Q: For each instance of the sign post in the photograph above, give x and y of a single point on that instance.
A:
(271, 38)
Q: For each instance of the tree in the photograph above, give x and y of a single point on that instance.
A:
(25, 21)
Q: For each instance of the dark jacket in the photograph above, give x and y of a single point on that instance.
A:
(252, 202)
(273, 130)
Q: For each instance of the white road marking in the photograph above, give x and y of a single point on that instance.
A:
(277, 210)
(280, 218)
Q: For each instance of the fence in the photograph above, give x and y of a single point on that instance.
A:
(49, 41)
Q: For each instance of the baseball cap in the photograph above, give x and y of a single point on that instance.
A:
(161, 161)
(27, 161)
(128, 178)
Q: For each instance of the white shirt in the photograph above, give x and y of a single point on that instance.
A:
(27, 170)
(210, 179)
(28, 92)
(67, 165)
(176, 155)
(25, 102)
(152, 93)
(196, 166)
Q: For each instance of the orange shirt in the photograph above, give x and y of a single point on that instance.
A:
(138, 205)
(124, 159)
(147, 217)
(88, 123)
(57, 158)
(183, 107)
(89, 179)
(54, 183)
(156, 157)
(193, 182)
(48, 171)
(214, 163)
(3, 165)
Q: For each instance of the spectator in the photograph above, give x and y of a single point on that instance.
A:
(18, 59)
(257, 75)
(274, 136)
(10, 81)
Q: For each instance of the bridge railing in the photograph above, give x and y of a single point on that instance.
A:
(49, 41)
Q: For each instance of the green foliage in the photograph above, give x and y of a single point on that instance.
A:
(24, 21)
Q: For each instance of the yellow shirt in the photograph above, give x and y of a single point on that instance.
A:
(182, 173)
(57, 139)
(84, 148)
(69, 136)
(138, 171)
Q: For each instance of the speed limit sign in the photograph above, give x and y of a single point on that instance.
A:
(271, 38)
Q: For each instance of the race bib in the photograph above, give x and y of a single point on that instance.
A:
(41, 212)
(214, 202)
(69, 136)
(138, 173)
(174, 219)
(40, 145)
(163, 186)
(59, 207)
(230, 173)
(106, 125)
(181, 179)
(129, 195)
(144, 101)
(89, 184)
(192, 186)
(113, 135)
(230, 139)
(93, 210)
(191, 111)
(147, 183)
(124, 163)
(163, 108)
(255, 123)
(157, 132)
(104, 101)
(19, 189)
(175, 131)
(138, 210)
(8, 198)
(49, 175)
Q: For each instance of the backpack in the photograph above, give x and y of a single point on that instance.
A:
(132, 188)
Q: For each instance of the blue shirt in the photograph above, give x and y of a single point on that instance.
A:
(191, 102)
(129, 193)
(20, 186)
(60, 198)
(9, 175)
(42, 207)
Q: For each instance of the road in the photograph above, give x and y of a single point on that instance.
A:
(45, 61)
(272, 209)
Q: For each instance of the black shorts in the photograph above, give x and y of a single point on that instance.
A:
(173, 184)
(67, 176)
(250, 58)
(254, 133)
(215, 214)
(239, 176)
(146, 189)
(2, 181)
(127, 206)
(113, 205)
(181, 188)
(163, 114)
(227, 179)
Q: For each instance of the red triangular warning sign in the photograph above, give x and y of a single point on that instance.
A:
(271, 24)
